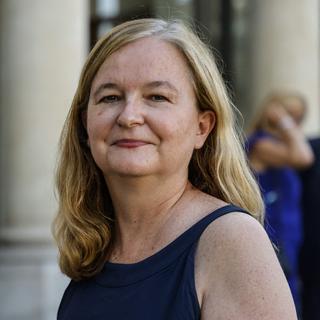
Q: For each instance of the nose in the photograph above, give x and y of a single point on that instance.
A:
(131, 114)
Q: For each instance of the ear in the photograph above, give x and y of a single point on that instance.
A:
(206, 122)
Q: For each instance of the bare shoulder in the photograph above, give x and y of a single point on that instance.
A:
(233, 228)
(237, 272)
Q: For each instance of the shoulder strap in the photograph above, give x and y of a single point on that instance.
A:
(197, 229)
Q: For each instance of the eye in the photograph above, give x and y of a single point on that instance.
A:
(158, 98)
(110, 99)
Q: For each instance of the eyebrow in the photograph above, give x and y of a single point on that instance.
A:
(151, 85)
(107, 85)
(156, 84)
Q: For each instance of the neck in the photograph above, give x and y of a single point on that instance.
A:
(142, 207)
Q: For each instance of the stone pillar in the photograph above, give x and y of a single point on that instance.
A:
(42, 48)
(285, 52)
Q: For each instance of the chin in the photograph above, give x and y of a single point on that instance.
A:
(129, 170)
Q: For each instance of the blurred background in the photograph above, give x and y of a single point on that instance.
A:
(259, 45)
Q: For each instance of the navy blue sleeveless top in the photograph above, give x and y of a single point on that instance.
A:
(161, 287)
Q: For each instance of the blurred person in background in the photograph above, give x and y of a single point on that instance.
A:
(155, 190)
(310, 251)
(276, 148)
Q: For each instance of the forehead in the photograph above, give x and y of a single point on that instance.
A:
(144, 60)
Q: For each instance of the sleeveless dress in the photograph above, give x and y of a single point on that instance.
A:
(281, 191)
(161, 287)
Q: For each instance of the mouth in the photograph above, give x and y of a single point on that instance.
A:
(129, 143)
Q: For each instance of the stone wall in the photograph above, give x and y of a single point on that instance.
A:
(43, 46)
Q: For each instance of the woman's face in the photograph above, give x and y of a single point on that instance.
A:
(142, 116)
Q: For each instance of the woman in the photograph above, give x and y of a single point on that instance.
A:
(276, 147)
(149, 158)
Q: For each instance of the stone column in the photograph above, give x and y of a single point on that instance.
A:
(42, 48)
(285, 52)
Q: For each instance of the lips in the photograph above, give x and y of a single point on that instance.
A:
(129, 143)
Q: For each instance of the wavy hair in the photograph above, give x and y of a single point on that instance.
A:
(83, 225)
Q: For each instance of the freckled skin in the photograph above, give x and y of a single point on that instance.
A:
(169, 127)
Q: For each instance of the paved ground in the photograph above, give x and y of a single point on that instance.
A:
(31, 284)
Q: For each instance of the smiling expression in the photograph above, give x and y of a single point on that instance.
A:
(142, 116)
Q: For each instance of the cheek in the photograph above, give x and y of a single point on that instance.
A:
(97, 130)
(98, 125)
(179, 130)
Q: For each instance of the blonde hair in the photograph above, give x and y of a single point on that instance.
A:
(83, 226)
